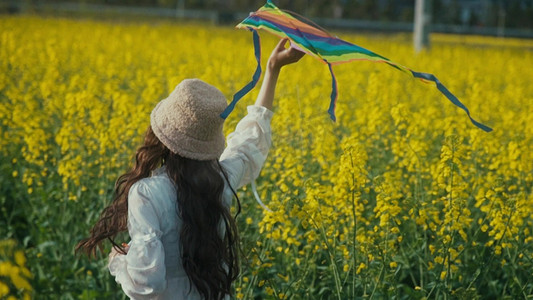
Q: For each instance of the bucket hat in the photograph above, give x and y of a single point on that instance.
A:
(188, 121)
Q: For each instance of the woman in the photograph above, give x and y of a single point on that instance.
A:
(175, 202)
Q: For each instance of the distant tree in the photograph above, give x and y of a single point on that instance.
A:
(389, 11)
(492, 14)
(407, 14)
(362, 9)
(520, 14)
(351, 8)
(437, 10)
(474, 19)
(370, 9)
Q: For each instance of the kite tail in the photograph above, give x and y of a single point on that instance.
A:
(450, 97)
(333, 101)
(255, 78)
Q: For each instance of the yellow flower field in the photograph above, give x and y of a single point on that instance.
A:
(401, 198)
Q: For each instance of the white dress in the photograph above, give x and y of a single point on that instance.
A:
(152, 268)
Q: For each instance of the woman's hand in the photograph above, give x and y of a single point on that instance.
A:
(282, 56)
(115, 252)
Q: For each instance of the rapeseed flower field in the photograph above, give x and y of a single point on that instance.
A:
(401, 198)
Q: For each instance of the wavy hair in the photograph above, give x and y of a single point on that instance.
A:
(209, 236)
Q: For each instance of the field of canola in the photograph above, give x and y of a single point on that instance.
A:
(401, 198)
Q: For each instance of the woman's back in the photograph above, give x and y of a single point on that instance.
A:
(153, 261)
(183, 238)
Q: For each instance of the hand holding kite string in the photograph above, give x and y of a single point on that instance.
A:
(324, 47)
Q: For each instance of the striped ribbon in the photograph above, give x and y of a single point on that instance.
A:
(450, 96)
(255, 78)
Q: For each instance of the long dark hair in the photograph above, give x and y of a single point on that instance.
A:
(209, 236)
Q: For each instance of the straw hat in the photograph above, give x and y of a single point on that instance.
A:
(188, 121)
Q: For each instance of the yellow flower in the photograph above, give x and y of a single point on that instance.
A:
(20, 283)
(284, 278)
(5, 268)
(20, 259)
(269, 291)
(360, 268)
(443, 275)
(4, 289)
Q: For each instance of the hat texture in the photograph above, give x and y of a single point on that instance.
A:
(188, 121)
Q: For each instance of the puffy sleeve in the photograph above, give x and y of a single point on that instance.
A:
(141, 272)
(247, 147)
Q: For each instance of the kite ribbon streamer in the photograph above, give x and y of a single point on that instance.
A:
(450, 96)
(255, 78)
(333, 102)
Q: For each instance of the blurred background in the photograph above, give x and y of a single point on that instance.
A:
(401, 198)
(513, 18)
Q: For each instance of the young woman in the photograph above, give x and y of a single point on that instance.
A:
(175, 202)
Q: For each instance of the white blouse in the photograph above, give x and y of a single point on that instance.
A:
(152, 268)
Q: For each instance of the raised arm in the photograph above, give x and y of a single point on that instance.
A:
(248, 145)
(280, 57)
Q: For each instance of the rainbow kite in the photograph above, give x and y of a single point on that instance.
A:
(323, 46)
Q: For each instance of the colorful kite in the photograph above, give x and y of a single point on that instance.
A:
(323, 46)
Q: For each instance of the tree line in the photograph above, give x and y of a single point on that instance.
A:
(481, 13)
